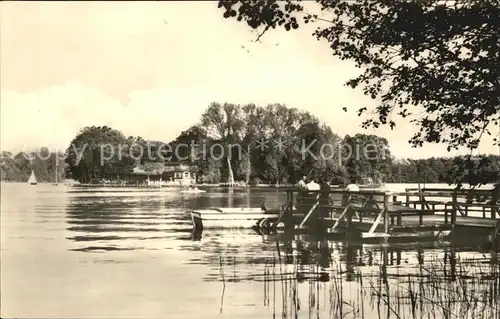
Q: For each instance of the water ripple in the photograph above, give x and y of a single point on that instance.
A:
(138, 246)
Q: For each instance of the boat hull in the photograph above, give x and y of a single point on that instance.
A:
(229, 218)
(194, 192)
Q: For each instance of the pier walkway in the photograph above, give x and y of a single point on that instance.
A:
(380, 214)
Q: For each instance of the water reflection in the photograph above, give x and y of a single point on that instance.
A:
(151, 264)
(112, 222)
(129, 220)
(318, 278)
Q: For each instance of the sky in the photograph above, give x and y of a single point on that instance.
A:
(151, 68)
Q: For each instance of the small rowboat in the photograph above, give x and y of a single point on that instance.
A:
(231, 217)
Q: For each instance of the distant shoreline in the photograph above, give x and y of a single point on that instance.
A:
(257, 186)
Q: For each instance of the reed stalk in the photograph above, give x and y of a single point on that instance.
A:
(436, 288)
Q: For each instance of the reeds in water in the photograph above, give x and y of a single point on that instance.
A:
(470, 289)
(453, 289)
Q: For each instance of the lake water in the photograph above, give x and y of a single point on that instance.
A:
(70, 252)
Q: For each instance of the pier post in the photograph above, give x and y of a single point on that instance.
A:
(394, 202)
(289, 213)
(445, 214)
(421, 213)
(285, 214)
(287, 202)
(386, 213)
(421, 201)
(454, 210)
(495, 238)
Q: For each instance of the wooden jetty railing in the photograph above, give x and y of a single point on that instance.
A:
(373, 213)
(477, 200)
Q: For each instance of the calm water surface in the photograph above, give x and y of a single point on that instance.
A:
(117, 253)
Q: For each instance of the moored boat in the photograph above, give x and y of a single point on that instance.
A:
(230, 217)
(193, 191)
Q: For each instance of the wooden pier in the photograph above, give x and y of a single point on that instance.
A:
(434, 213)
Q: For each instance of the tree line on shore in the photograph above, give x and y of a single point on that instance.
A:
(295, 146)
(409, 61)
(47, 165)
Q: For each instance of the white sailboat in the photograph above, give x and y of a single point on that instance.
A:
(32, 179)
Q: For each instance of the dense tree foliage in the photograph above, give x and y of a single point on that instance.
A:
(442, 170)
(260, 144)
(93, 153)
(434, 63)
(17, 168)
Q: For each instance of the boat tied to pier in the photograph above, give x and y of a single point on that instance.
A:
(239, 217)
(368, 214)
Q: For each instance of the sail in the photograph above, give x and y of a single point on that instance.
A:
(32, 179)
